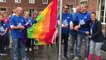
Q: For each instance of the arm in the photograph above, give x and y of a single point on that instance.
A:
(5, 31)
(13, 25)
(34, 21)
(17, 27)
(76, 27)
(71, 25)
(58, 21)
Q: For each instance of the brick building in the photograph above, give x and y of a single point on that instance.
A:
(93, 5)
(74, 3)
(30, 5)
(99, 6)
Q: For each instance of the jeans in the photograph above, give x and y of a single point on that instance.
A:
(19, 46)
(65, 38)
(3, 42)
(95, 46)
(73, 41)
(29, 43)
(79, 43)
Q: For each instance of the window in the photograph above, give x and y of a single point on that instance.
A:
(31, 11)
(17, 1)
(2, 0)
(71, 7)
(102, 11)
(84, 2)
(2, 9)
(32, 1)
(45, 1)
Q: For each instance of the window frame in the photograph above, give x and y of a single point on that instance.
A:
(32, 2)
(100, 11)
(3, 1)
(16, 1)
(44, 2)
(31, 11)
(3, 7)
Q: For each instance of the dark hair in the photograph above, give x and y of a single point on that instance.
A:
(93, 13)
(2, 23)
(67, 6)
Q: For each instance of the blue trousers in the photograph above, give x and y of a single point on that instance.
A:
(19, 46)
(80, 38)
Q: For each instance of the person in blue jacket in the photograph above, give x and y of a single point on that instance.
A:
(17, 25)
(83, 29)
(3, 35)
(73, 33)
(66, 18)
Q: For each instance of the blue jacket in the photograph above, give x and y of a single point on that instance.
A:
(97, 35)
(66, 18)
(17, 21)
(84, 21)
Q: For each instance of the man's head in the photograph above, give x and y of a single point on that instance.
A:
(35, 14)
(19, 11)
(14, 10)
(83, 8)
(66, 8)
(26, 14)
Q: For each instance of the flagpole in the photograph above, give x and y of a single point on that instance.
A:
(60, 26)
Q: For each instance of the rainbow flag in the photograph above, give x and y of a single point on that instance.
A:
(45, 29)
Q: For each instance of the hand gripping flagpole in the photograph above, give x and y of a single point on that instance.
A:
(59, 55)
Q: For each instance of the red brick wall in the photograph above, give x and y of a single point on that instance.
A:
(92, 4)
(75, 2)
(10, 4)
(39, 6)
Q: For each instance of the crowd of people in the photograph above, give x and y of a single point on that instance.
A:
(16, 25)
(81, 26)
(78, 26)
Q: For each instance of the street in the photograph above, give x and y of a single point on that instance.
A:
(44, 53)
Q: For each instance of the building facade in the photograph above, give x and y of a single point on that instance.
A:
(30, 5)
(99, 6)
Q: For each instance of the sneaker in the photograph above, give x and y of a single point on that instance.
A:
(65, 58)
(30, 49)
(76, 58)
(86, 58)
(26, 49)
(5, 48)
(2, 54)
(71, 54)
(25, 59)
(36, 47)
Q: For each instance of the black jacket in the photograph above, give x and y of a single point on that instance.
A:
(97, 35)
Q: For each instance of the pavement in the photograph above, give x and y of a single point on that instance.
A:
(45, 53)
